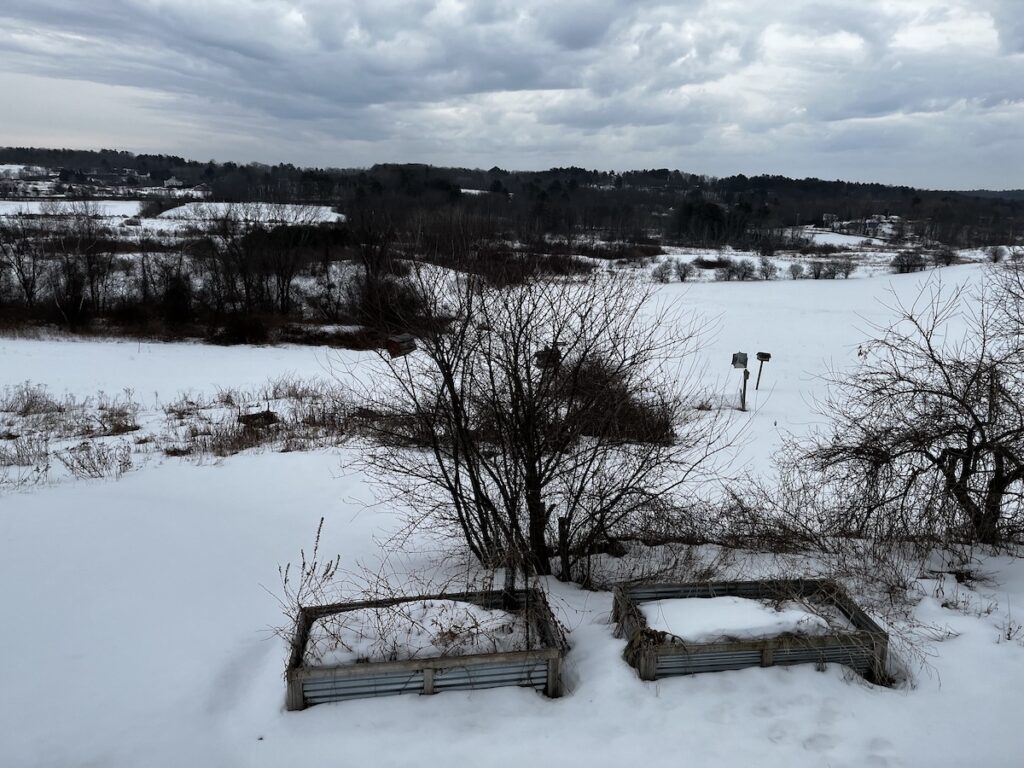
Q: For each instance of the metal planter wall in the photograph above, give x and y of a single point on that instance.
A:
(658, 654)
(539, 668)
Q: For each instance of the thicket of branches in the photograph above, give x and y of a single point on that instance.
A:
(236, 272)
(545, 420)
(926, 440)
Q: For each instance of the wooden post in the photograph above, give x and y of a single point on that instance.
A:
(743, 395)
(428, 681)
(553, 689)
(881, 650)
(766, 657)
(757, 384)
(293, 698)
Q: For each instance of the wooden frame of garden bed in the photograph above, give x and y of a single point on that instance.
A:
(539, 668)
(657, 654)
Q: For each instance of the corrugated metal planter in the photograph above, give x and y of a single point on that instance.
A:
(657, 654)
(539, 668)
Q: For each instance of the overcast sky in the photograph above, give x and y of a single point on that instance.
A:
(923, 92)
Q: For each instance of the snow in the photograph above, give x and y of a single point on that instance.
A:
(418, 629)
(139, 611)
(274, 213)
(705, 620)
(828, 237)
(808, 326)
(105, 208)
(15, 171)
(154, 649)
(162, 370)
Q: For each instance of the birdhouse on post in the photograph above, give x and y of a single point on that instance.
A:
(549, 357)
(739, 360)
(763, 357)
(400, 344)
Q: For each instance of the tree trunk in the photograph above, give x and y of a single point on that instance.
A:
(537, 512)
(565, 564)
(986, 516)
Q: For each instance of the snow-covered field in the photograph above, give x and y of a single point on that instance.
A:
(175, 220)
(138, 613)
(104, 208)
(271, 213)
(828, 237)
(8, 171)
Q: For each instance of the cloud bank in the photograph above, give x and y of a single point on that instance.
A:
(905, 91)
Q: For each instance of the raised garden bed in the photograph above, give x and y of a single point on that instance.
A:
(836, 631)
(537, 666)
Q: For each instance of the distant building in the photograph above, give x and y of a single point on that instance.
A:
(173, 183)
(829, 219)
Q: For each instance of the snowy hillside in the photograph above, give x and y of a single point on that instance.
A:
(141, 608)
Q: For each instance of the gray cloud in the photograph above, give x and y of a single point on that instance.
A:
(926, 92)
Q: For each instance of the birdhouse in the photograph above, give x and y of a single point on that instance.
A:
(739, 360)
(549, 357)
(400, 344)
(764, 357)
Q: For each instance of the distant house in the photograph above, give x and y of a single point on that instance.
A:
(173, 183)
(829, 219)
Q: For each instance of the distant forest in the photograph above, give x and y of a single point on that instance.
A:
(671, 206)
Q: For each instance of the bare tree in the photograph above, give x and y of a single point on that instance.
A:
(23, 254)
(232, 256)
(662, 273)
(928, 433)
(544, 419)
(684, 270)
(767, 268)
(288, 249)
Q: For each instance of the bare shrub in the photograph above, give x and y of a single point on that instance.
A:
(944, 257)
(684, 270)
(117, 416)
(906, 262)
(184, 407)
(309, 583)
(735, 269)
(816, 268)
(662, 273)
(927, 441)
(796, 270)
(96, 460)
(25, 451)
(844, 266)
(745, 269)
(549, 420)
(29, 400)
(293, 414)
(726, 269)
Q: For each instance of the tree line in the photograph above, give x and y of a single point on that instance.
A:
(678, 207)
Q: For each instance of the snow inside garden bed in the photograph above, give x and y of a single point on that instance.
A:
(712, 619)
(414, 630)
